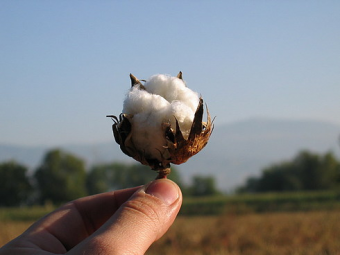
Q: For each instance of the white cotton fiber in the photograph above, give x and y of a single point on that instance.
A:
(164, 99)
(172, 88)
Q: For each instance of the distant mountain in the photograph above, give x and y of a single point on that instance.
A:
(234, 152)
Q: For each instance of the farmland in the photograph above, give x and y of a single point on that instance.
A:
(280, 224)
(279, 233)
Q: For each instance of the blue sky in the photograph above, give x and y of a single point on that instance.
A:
(64, 65)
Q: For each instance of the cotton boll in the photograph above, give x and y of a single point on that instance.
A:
(136, 100)
(141, 101)
(171, 88)
(148, 137)
(160, 84)
(148, 113)
(164, 99)
(161, 122)
(188, 97)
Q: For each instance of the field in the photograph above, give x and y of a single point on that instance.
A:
(280, 224)
(287, 233)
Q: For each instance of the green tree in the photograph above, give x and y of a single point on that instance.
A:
(251, 186)
(279, 177)
(307, 166)
(306, 171)
(15, 187)
(203, 186)
(105, 177)
(331, 176)
(97, 180)
(61, 177)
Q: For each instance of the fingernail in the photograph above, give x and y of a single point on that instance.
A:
(163, 189)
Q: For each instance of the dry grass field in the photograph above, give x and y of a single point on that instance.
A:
(281, 233)
(289, 233)
(11, 229)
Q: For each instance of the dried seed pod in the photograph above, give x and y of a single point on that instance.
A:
(157, 130)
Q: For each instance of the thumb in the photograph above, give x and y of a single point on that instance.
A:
(140, 221)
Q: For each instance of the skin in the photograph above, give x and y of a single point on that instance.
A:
(119, 222)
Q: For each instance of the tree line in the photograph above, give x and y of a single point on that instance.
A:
(307, 171)
(63, 177)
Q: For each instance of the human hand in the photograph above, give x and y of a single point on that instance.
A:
(119, 222)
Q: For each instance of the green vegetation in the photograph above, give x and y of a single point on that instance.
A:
(60, 178)
(305, 172)
(202, 186)
(262, 202)
(15, 187)
(24, 213)
(219, 205)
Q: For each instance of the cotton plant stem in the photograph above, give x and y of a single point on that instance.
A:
(163, 173)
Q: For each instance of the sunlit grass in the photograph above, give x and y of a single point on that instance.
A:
(284, 233)
(14, 221)
(11, 229)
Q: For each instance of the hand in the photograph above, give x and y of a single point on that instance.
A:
(119, 222)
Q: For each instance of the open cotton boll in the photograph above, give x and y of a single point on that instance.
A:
(164, 99)
(147, 111)
(141, 101)
(182, 101)
(171, 89)
(161, 122)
